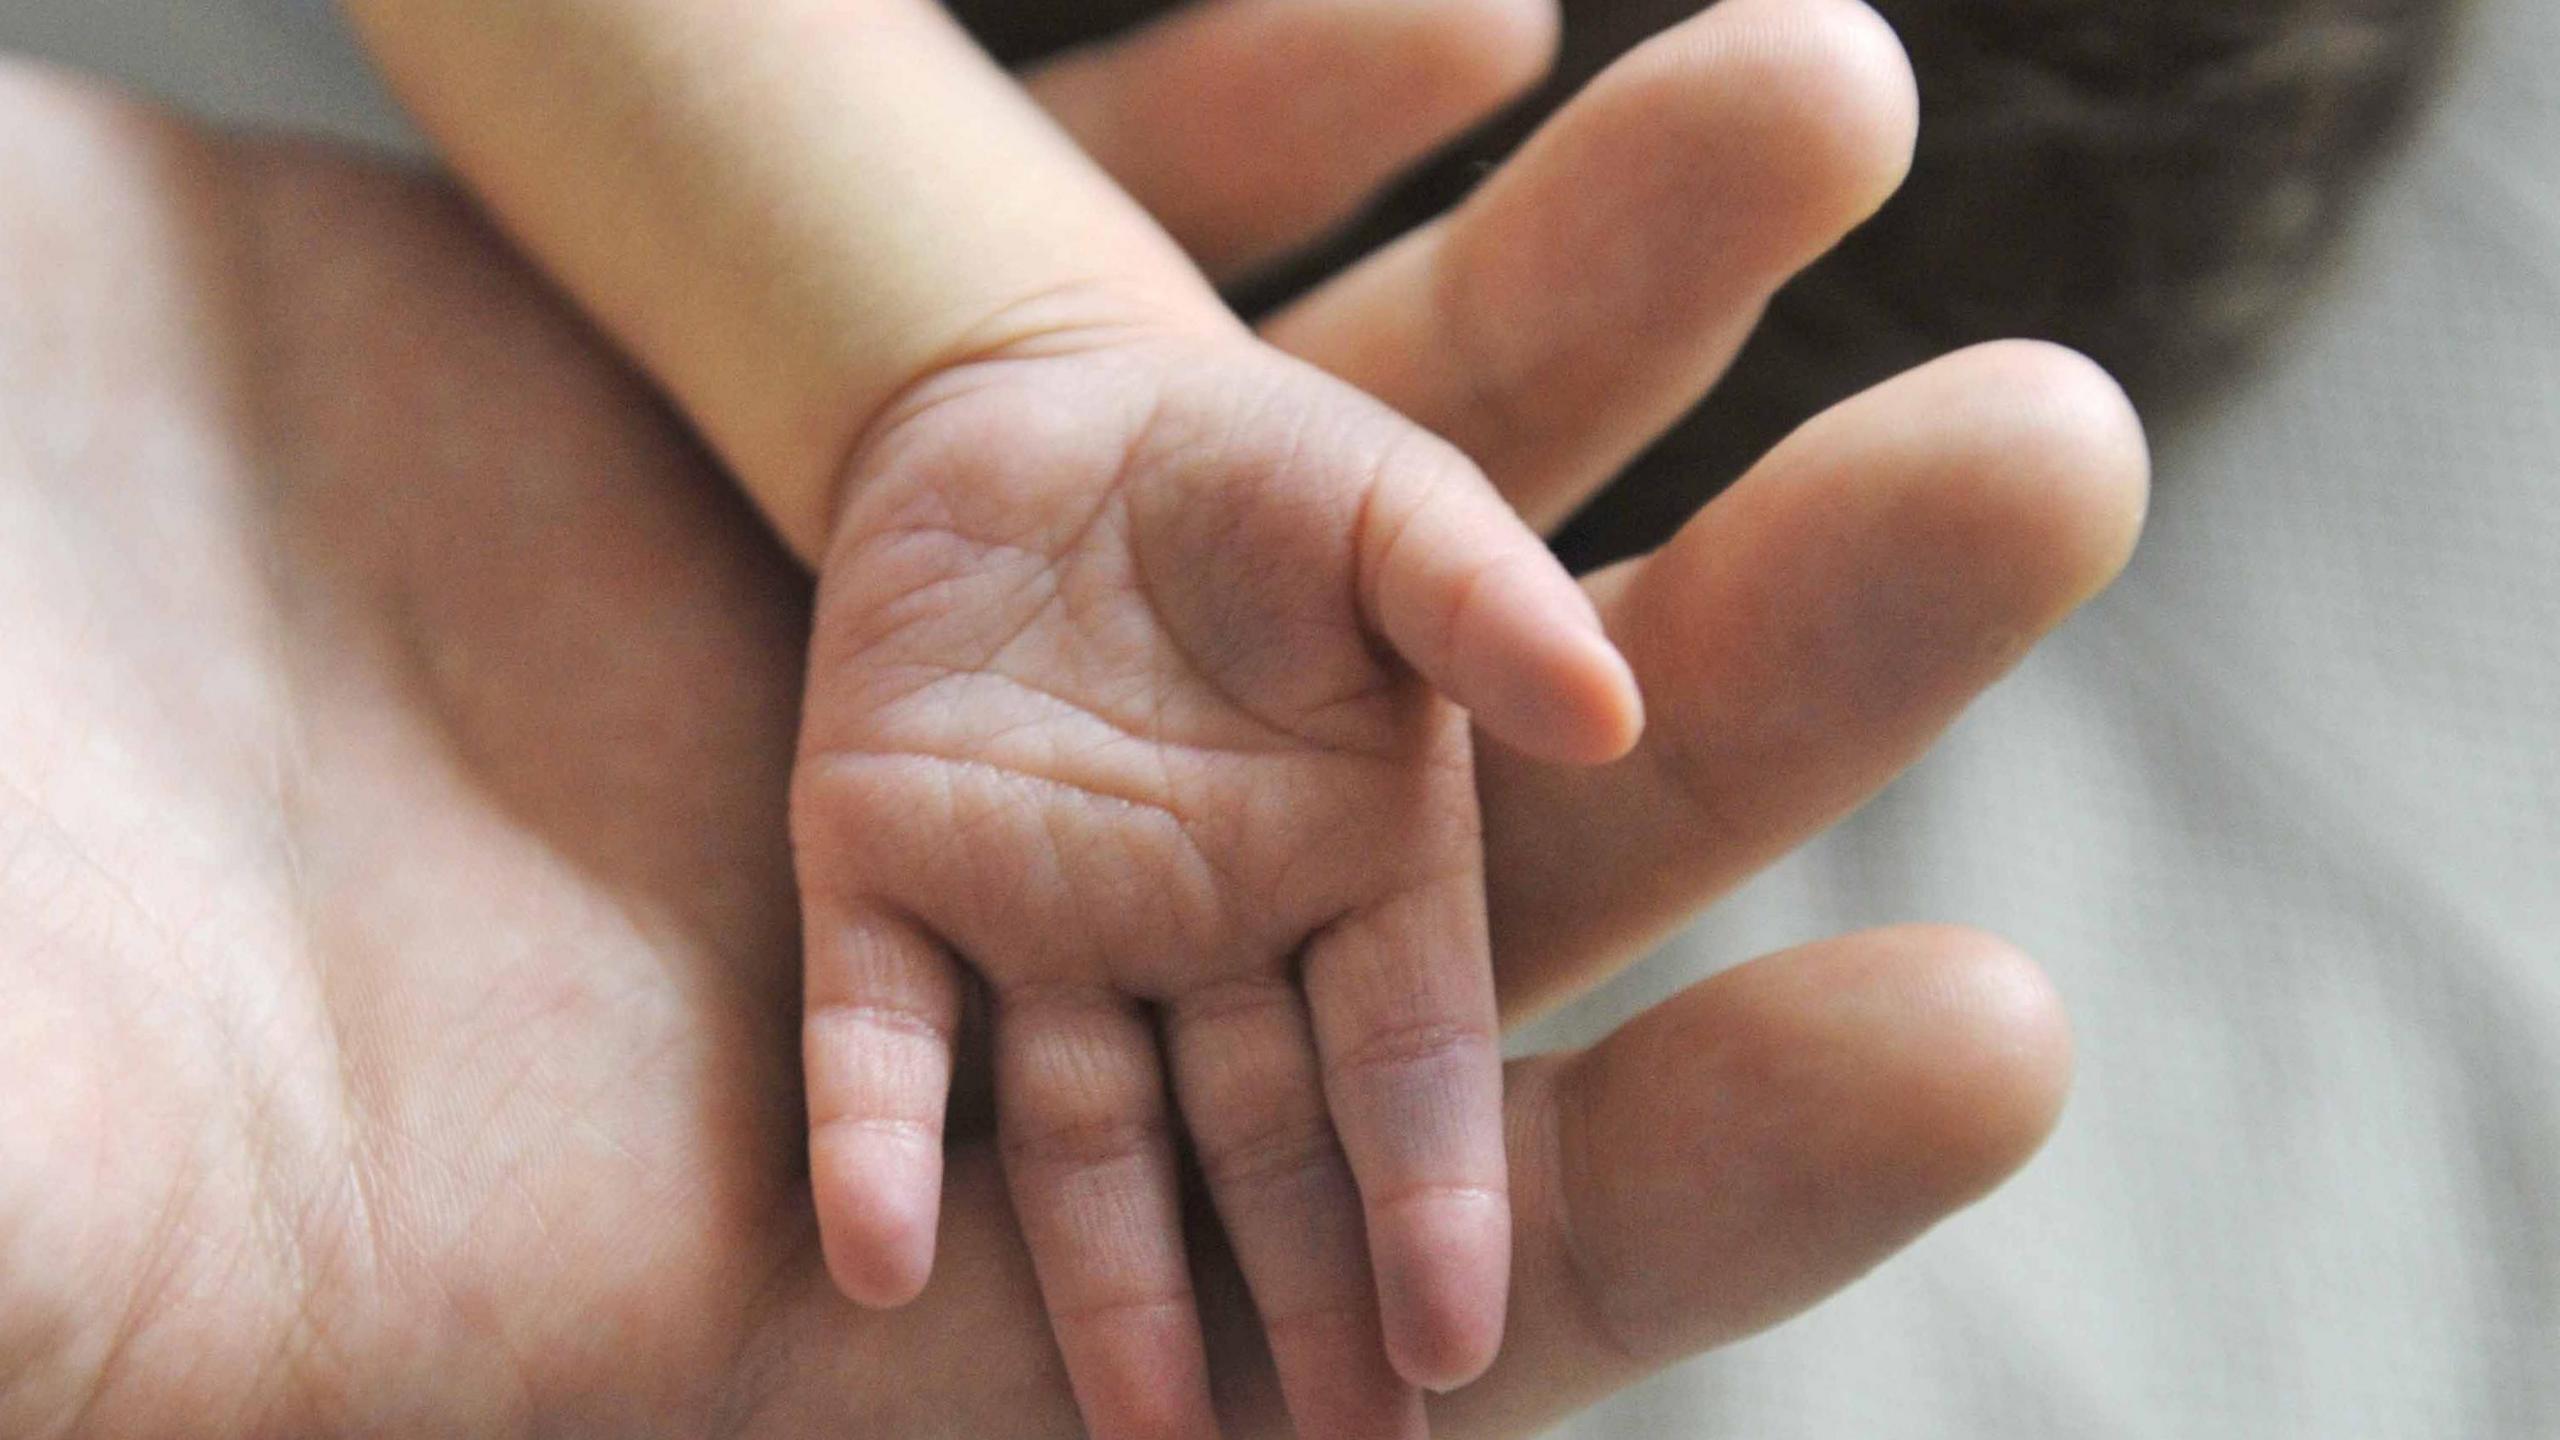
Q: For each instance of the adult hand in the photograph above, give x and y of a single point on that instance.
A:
(395, 918)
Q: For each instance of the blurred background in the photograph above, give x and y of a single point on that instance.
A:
(2281, 813)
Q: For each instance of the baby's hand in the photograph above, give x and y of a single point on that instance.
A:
(1118, 693)
(1121, 695)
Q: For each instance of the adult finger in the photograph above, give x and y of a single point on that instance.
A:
(1806, 637)
(1250, 126)
(1753, 1145)
(1586, 296)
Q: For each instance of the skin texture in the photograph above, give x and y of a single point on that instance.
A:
(399, 941)
(1134, 682)
(1094, 705)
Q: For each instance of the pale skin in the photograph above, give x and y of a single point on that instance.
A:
(1134, 688)
(528, 915)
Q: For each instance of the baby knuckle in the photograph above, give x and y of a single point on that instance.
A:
(863, 1022)
(1083, 1143)
(1281, 1153)
(1402, 1050)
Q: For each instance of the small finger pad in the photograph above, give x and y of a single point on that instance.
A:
(1543, 677)
(1443, 1266)
(877, 1203)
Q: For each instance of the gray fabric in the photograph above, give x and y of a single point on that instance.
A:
(288, 64)
(2282, 814)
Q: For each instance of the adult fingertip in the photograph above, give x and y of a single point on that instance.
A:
(1821, 128)
(1493, 51)
(2077, 457)
(1987, 1059)
(1960, 1055)
(1861, 126)
(1839, 1100)
(2032, 454)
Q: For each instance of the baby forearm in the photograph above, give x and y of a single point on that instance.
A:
(787, 210)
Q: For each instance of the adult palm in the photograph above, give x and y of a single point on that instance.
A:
(395, 921)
